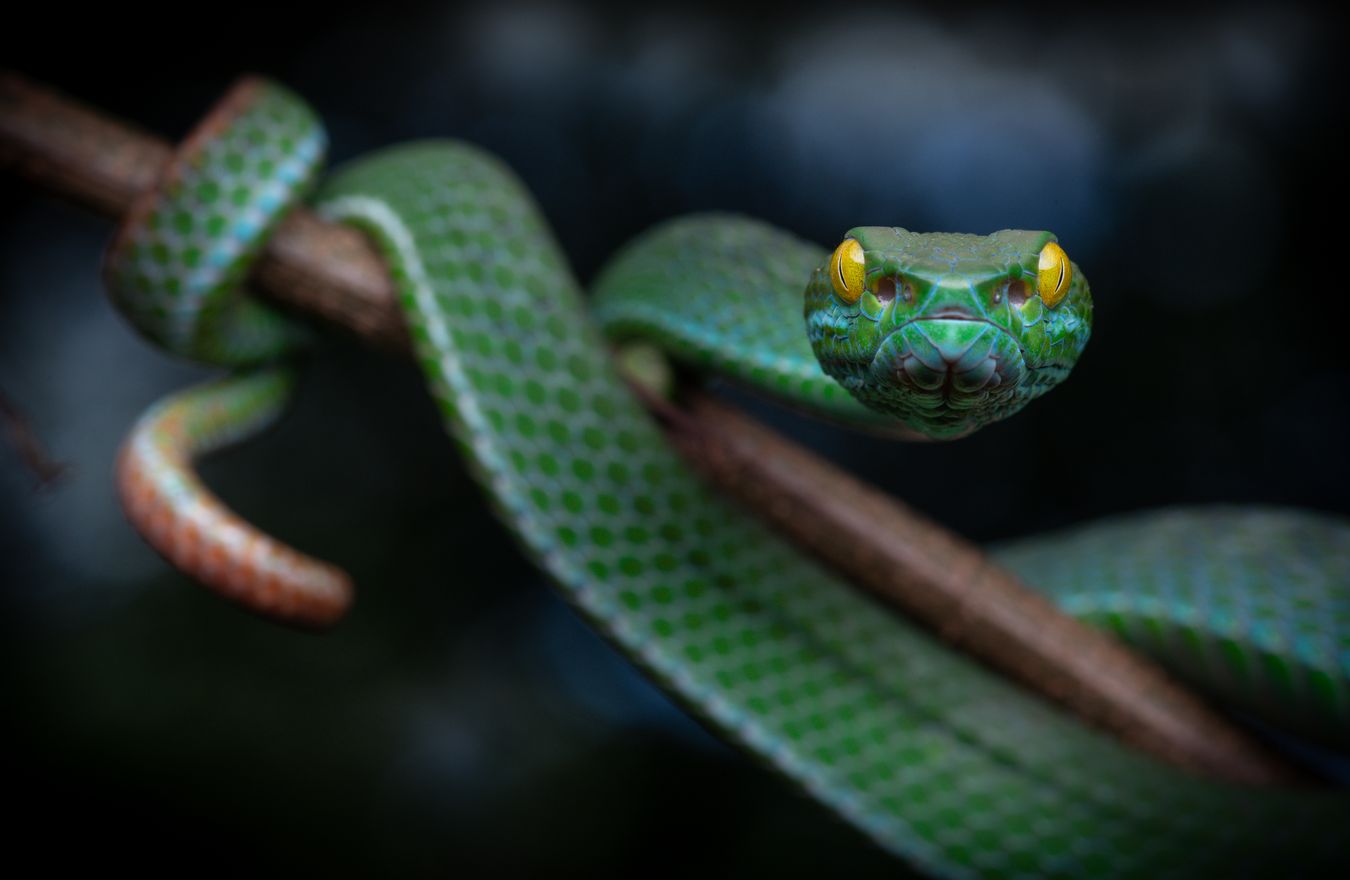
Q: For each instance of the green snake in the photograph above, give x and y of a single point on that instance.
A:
(934, 757)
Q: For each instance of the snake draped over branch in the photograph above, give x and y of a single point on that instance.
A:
(936, 758)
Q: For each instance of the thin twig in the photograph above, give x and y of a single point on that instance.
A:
(45, 469)
(331, 273)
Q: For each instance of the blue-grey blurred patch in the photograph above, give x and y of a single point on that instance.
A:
(82, 376)
(895, 121)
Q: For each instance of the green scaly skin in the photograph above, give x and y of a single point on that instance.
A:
(937, 759)
(702, 289)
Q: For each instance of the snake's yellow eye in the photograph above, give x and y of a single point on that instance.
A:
(846, 270)
(1054, 274)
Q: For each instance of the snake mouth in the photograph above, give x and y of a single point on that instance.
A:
(952, 314)
(951, 355)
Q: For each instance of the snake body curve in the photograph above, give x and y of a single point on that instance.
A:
(934, 757)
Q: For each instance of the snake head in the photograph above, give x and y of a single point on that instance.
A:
(947, 332)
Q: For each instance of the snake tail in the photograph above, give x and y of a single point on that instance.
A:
(178, 516)
(176, 269)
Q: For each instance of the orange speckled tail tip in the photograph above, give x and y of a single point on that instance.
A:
(179, 517)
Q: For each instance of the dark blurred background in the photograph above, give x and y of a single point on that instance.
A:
(463, 719)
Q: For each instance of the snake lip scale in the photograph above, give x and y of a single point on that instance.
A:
(955, 369)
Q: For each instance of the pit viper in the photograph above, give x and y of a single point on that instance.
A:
(934, 757)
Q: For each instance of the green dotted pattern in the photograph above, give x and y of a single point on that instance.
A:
(1252, 605)
(934, 757)
(177, 271)
(723, 294)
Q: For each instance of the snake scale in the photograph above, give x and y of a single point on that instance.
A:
(934, 757)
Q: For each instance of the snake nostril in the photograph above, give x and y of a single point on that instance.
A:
(885, 291)
(1017, 292)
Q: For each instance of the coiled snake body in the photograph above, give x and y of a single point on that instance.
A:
(934, 757)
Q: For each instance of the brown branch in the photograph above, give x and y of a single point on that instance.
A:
(331, 273)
